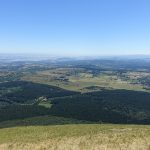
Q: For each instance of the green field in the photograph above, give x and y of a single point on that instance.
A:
(56, 133)
(78, 79)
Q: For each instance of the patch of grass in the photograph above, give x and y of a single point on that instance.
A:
(45, 104)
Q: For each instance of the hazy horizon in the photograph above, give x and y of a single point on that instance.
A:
(48, 55)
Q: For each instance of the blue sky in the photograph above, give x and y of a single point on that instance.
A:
(75, 27)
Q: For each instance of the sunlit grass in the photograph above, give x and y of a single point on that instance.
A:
(78, 83)
(73, 136)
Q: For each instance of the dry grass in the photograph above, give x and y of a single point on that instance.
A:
(95, 142)
(76, 137)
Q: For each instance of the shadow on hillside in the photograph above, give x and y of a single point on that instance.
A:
(110, 106)
(42, 121)
(107, 106)
(27, 92)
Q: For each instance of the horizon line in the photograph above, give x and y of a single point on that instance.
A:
(72, 55)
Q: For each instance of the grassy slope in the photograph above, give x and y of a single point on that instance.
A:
(71, 134)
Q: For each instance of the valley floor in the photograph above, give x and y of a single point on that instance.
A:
(73, 135)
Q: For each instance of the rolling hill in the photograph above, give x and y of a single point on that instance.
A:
(59, 133)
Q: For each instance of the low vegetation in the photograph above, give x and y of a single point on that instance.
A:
(65, 134)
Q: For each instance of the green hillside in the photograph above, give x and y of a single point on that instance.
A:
(106, 106)
(110, 106)
(48, 132)
(22, 92)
